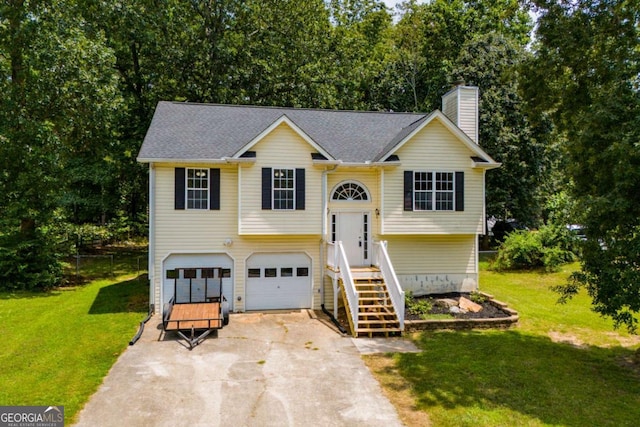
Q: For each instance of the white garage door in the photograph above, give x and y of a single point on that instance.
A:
(278, 281)
(197, 261)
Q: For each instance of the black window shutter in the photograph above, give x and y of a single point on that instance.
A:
(214, 189)
(179, 188)
(459, 191)
(266, 188)
(300, 189)
(408, 190)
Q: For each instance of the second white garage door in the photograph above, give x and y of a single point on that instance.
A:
(278, 281)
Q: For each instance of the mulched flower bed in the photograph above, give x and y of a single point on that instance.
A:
(489, 311)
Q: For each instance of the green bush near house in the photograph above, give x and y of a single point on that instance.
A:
(419, 307)
(549, 247)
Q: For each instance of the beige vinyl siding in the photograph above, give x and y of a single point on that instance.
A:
(435, 264)
(460, 105)
(468, 112)
(432, 254)
(206, 231)
(434, 148)
(450, 106)
(282, 148)
(191, 230)
(200, 227)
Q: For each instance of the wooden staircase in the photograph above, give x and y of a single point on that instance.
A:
(376, 314)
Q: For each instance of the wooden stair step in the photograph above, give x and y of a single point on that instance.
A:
(371, 292)
(377, 314)
(370, 306)
(382, 318)
(383, 312)
(378, 322)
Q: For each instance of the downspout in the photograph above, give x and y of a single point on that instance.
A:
(137, 336)
(152, 237)
(152, 247)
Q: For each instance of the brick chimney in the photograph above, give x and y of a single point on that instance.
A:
(460, 105)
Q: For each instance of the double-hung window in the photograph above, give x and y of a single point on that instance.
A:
(433, 191)
(197, 189)
(444, 191)
(422, 191)
(284, 189)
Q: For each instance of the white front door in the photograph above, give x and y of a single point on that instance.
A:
(354, 230)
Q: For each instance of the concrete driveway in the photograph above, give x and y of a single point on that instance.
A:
(276, 369)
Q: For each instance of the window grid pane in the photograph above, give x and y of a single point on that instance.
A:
(444, 191)
(197, 188)
(283, 189)
(422, 191)
(351, 192)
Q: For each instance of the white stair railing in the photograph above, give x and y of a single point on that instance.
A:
(331, 255)
(383, 262)
(349, 286)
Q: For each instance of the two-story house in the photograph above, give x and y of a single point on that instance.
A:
(291, 202)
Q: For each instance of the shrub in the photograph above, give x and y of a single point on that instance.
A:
(549, 247)
(417, 306)
(28, 262)
(477, 297)
(520, 250)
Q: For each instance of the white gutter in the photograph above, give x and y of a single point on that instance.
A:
(486, 165)
(326, 162)
(224, 160)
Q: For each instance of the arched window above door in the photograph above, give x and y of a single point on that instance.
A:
(350, 191)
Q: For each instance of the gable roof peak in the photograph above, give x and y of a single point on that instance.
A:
(187, 130)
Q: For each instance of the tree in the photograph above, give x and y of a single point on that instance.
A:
(58, 96)
(359, 47)
(491, 62)
(430, 37)
(588, 54)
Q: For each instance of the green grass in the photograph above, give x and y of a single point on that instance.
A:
(58, 346)
(561, 365)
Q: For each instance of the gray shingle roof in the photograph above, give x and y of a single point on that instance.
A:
(187, 131)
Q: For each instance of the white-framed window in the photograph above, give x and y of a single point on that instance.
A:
(197, 188)
(350, 191)
(433, 191)
(284, 185)
(444, 191)
(422, 191)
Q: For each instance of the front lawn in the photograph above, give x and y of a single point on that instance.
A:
(562, 365)
(58, 346)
